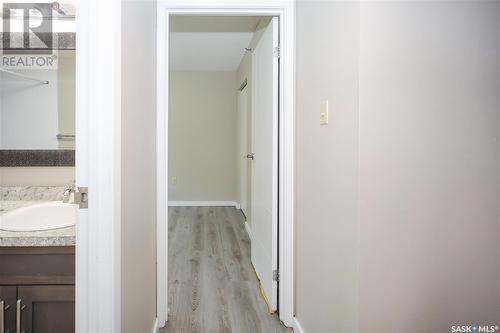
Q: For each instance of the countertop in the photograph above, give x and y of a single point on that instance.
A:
(57, 237)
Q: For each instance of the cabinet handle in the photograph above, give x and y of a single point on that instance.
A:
(2, 324)
(18, 316)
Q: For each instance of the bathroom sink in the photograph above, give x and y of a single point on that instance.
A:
(43, 216)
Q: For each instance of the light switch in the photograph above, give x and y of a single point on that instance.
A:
(323, 113)
(174, 180)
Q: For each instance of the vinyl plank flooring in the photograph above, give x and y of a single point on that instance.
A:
(212, 285)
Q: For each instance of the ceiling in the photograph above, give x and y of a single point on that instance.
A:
(210, 42)
(208, 51)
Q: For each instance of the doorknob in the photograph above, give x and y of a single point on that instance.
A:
(250, 156)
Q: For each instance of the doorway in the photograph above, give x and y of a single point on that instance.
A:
(205, 126)
(284, 11)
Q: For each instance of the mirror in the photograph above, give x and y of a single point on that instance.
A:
(37, 76)
(37, 83)
(38, 114)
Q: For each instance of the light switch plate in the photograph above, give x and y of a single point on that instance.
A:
(323, 113)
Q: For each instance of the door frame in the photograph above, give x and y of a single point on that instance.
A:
(285, 10)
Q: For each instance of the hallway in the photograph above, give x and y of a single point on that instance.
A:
(212, 285)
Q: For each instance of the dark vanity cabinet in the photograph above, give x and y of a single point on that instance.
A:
(37, 288)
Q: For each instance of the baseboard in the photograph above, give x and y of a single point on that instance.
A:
(249, 231)
(203, 204)
(296, 326)
(155, 326)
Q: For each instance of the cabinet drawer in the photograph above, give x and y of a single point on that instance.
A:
(31, 265)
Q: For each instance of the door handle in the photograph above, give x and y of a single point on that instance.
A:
(18, 316)
(250, 156)
(2, 319)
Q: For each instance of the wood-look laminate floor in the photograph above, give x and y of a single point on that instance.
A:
(212, 285)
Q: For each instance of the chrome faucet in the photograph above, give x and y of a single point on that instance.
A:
(68, 193)
(78, 195)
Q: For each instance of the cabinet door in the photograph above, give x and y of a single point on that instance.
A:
(47, 309)
(8, 296)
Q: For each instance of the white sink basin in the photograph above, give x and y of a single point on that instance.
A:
(44, 216)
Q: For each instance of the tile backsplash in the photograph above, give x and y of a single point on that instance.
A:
(30, 193)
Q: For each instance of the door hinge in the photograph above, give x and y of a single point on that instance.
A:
(82, 197)
(277, 51)
(276, 275)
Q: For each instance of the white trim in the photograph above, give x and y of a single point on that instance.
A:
(162, 41)
(286, 165)
(156, 328)
(297, 328)
(203, 204)
(249, 230)
(98, 166)
(285, 9)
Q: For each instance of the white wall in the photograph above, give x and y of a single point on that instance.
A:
(399, 195)
(138, 240)
(327, 166)
(429, 165)
(203, 139)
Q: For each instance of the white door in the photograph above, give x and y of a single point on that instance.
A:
(264, 206)
(242, 108)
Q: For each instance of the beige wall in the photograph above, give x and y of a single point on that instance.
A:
(419, 159)
(203, 140)
(327, 166)
(429, 165)
(138, 166)
(37, 176)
